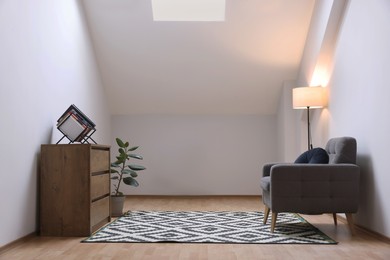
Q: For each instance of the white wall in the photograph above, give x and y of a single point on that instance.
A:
(199, 155)
(355, 43)
(46, 64)
(316, 66)
(293, 142)
(286, 125)
(359, 103)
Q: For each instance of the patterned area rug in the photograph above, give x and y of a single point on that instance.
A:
(208, 227)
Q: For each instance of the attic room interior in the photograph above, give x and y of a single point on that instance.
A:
(208, 101)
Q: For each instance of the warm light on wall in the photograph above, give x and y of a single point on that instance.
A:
(320, 77)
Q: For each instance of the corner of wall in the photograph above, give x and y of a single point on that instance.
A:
(286, 130)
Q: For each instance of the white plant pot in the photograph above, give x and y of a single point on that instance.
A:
(117, 203)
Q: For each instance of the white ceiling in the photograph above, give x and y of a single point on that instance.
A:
(232, 67)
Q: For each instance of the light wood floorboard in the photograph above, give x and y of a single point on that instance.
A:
(361, 246)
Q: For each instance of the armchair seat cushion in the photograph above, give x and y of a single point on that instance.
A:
(265, 183)
(316, 155)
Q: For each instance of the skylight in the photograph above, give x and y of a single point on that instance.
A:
(188, 10)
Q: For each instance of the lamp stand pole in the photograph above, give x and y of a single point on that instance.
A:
(309, 145)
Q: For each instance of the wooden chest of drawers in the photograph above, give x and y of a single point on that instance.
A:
(74, 189)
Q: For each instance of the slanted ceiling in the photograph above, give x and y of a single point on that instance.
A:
(233, 67)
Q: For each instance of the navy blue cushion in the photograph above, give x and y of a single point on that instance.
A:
(316, 155)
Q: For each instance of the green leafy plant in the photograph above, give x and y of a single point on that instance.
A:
(121, 170)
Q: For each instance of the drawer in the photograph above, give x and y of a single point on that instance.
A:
(100, 160)
(100, 186)
(100, 210)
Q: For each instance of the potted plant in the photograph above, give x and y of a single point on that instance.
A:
(121, 171)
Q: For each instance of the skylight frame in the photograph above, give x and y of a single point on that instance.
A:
(189, 10)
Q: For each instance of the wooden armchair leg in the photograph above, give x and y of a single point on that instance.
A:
(266, 213)
(335, 219)
(273, 223)
(350, 223)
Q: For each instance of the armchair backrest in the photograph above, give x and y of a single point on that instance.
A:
(341, 150)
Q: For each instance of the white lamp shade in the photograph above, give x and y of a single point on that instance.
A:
(312, 97)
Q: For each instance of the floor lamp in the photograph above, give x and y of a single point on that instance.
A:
(308, 98)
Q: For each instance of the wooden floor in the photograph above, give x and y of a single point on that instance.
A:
(361, 246)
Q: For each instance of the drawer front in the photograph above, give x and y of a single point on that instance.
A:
(100, 186)
(100, 210)
(100, 160)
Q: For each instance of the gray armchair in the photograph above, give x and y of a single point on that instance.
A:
(314, 188)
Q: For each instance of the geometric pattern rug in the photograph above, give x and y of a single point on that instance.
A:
(208, 227)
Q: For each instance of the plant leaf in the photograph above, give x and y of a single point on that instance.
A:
(133, 148)
(119, 159)
(130, 171)
(120, 143)
(127, 144)
(114, 178)
(115, 164)
(126, 171)
(122, 153)
(133, 174)
(136, 156)
(130, 181)
(136, 167)
(114, 171)
(122, 158)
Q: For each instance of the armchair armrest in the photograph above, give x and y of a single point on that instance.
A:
(267, 169)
